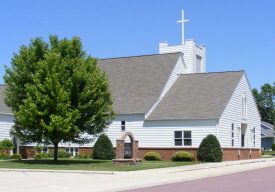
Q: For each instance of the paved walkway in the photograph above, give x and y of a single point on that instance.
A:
(48, 180)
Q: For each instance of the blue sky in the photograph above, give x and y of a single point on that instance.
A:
(238, 35)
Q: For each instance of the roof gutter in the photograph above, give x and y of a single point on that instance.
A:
(11, 114)
(207, 118)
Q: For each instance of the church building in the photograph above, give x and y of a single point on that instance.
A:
(169, 103)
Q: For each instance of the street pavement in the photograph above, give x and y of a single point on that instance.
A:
(48, 180)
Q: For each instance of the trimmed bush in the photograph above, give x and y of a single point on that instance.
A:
(273, 146)
(6, 145)
(103, 148)
(210, 150)
(182, 156)
(152, 156)
(16, 156)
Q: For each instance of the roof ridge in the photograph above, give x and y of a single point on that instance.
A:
(211, 72)
(141, 55)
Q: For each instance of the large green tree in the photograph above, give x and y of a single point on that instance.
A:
(265, 101)
(57, 93)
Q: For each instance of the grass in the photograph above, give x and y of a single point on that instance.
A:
(269, 153)
(87, 165)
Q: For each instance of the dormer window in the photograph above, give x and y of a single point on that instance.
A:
(244, 106)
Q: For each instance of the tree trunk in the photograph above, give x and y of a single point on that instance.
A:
(55, 152)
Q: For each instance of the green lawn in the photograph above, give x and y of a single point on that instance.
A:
(87, 165)
(269, 153)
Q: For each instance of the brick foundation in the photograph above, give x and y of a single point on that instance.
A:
(229, 154)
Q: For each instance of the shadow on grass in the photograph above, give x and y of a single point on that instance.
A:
(60, 162)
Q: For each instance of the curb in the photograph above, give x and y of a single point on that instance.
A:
(200, 168)
(61, 171)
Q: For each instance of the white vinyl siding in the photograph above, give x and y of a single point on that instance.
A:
(233, 113)
(190, 51)
(159, 133)
(198, 64)
(6, 123)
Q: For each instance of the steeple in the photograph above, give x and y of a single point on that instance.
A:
(193, 55)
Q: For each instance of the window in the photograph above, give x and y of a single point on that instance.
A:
(42, 150)
(254, 137)
(232, 135)
(183, 138)
(244, 106)
(122, 125)
(73, 151)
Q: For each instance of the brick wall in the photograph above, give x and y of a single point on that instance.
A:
(27, 152)
(229, 154)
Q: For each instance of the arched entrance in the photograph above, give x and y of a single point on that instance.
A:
(120, 146)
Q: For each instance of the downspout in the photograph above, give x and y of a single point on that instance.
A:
(217, 122)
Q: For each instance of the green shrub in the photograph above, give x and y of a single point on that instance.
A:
(91, 156)
(82, 156)
(273, 146)
(103, 148)
(6, 145)
(152, 156)
(63, 154)
(4, 156)
(210, 150)
(45, 155)
(267, 149)
(182, 156)
(16, 156)
(50, 154)
(38, 156)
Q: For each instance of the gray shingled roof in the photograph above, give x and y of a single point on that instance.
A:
(3, 107)
(197, 96)
(267, 129)
(136, 82)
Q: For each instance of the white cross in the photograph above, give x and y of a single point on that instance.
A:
(182, 25)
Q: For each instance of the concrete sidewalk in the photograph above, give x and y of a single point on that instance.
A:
(53, 180)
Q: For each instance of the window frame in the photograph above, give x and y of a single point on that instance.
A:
(123, 125)
(183, 139)
(244, 106)
(232, 134)
(72, 150)
(44, 150)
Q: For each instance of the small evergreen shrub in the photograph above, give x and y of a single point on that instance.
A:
(152, 156)
(4, 156)
(103, 148)
(16, 156)
(210, 150)
(6, 145)
(182, 156)
(267, 149)
(273, 146)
